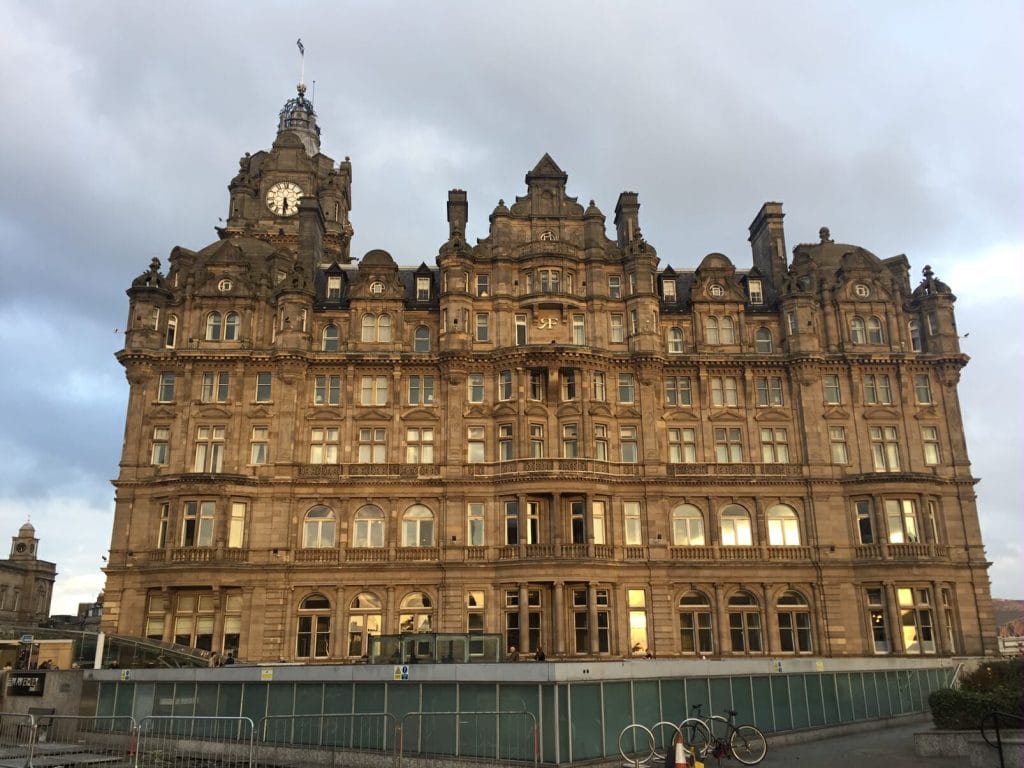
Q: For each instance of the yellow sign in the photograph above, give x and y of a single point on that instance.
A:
(266, 673)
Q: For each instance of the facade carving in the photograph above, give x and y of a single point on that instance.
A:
(552, 435)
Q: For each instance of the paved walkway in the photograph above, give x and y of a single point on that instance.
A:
(888, 747)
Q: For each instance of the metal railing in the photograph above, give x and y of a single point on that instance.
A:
(998, 718)
(312, 739)
(52, 740)
(227, 742)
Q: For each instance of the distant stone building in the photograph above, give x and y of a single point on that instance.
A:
(26, 582)
(550, 434)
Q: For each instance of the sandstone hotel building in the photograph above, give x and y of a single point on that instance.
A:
(555, 435)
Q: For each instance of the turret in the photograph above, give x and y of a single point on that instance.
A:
(458, 213)
(768, 243)
(627, 218)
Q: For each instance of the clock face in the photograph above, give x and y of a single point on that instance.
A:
(283, 198)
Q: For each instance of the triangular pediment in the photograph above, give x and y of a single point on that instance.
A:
(260, 412)
(680, 414)
(163, 412)
(835, 413)
(569, 409)
(213, 412)
(927, 412)
(372, 413)
(725, 414)
(546, 168)
(476, 412)
(629, 413)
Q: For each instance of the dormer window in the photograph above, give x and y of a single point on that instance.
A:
(333, 288)
(422, 289)
(755, 292)
(668, 289)
(376, 287)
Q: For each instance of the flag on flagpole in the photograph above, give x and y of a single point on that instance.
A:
(302, 48)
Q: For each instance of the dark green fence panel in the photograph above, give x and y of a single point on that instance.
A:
(761, 710)
(585, 726)
(830, 697)
(742, 699)
(206, 700)
(229, 700)
(338, 698)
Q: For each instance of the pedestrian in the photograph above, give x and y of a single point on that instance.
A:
(513, 653)
(540, 654)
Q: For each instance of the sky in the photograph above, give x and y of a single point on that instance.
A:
(898, 125)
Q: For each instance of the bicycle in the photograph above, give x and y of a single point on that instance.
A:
(718, 736)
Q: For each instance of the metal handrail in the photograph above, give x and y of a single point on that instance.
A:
(996, 716)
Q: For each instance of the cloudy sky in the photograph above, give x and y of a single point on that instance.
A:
(898, 125)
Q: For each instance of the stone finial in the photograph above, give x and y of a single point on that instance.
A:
(825, 235)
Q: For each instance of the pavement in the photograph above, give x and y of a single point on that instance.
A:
(891, 746)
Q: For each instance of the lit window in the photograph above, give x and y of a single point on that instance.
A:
(755, 292)
(416, 614)
(687, 526)
(930, 443)
(736, 530)
(774, 445)
(259, 445)
(901, 520)
(597, 518)
(419, 445)
(197, 524)
(783, 526)
(916, 620)
(857, 334)
(364, 622)
(728, 445)
(161, 446)
(723, 392)
(215, 387)
(373, 447)
(422, 289)
(318, 528)
(165, 390)
(885, 450)
(675, 341)
(837, 441)
(327, 390)
(368, 528)
(418, 527)
(209, 449)
(323, 445)
(475, 453)
(682, 445)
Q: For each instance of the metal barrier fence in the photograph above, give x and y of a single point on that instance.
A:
(505, 737)
(225, 742)
(312, 739)
(51, 740)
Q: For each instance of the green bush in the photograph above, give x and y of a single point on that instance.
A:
(994, 686)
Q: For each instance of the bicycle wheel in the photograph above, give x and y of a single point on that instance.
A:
(748, 745)
(696, 736)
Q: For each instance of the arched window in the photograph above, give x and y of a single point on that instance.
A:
(915, 335)
(330, 341)
(794, 623)
(687, 526)
(675, 340)
(384, 328)
(744, 624)
(857, 335)
(711, 330)
(728, 331)
(231, 326)
(763, 341)
(418, 527)
(369, 527)
(421, 341)
(875, 335)
(369, 328)
(736, 527)
(318, 528)
(213, 323)
(364, 622)
(695, 635)
(172, 331)
(313, 638)
(416, 613)
(783, 526)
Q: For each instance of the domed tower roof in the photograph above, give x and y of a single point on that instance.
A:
(298, 116)
(27, 530)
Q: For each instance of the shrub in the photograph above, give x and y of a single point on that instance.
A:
(993, 686)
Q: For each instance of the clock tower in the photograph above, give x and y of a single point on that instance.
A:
(264, 196)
